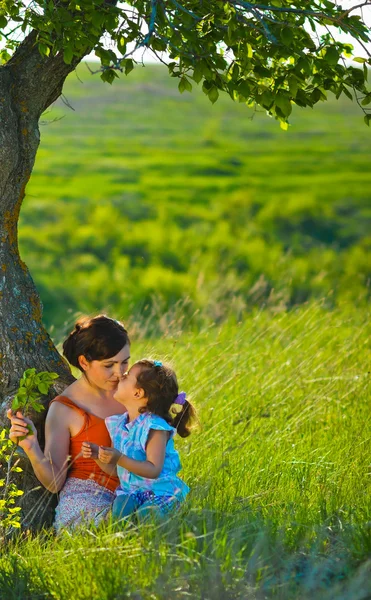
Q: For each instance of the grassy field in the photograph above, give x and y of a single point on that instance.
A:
(279, 473)
(142, 195)
(213, 233)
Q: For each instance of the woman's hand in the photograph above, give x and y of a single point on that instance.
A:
(109, 456)
(19, 429)
(89, 450)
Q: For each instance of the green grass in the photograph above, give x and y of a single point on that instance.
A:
(279, 473)
(142, 192)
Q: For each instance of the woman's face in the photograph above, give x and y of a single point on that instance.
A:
(105, 374)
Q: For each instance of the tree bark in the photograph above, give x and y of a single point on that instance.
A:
(29, 83)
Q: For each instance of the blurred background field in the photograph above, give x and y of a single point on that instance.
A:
(142, 197)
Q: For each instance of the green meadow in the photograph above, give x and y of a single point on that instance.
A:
(279, 471)
(142, 197)
(241, 254)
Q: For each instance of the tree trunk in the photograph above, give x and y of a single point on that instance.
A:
(29, 83)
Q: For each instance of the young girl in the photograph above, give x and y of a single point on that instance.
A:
(142, 441)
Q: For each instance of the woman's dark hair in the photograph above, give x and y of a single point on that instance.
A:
(96, 338)
(160, 386)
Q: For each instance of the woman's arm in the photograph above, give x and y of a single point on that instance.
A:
(50, 466)
(155, 456)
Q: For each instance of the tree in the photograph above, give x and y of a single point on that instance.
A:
(273, 55)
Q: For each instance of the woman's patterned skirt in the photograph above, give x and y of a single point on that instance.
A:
(82, 501)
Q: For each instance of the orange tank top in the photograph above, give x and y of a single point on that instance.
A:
(93, 430)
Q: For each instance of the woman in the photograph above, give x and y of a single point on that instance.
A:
(100, 348)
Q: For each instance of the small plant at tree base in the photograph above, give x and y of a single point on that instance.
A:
(32, 387)
(9, 514)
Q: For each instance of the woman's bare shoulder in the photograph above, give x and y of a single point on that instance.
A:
(59, 410)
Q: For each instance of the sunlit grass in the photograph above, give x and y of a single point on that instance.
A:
(279, 472)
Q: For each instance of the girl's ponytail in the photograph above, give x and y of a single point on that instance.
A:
(182, 419)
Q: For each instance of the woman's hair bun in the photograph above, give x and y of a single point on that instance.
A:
(100, 337)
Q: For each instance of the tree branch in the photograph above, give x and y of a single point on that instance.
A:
(38, 80)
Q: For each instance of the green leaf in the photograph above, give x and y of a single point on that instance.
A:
(106, 57)
(286, 36)
(347, 92)
(28, 373)
(97, 19)
(367, 119)
(4, 56)
(184, 84)
(197, 72)
(15, 404)
(3, 22)
(43, 388)
(249, 51)
(366, 100)
(293, 85)
(109, 75)
(213, 94)
(159, 45)
(332, 55)
(121, 45)
(358, 59)
(316, 95)
(304, 65)
(267, 99)
(282, 100)
(262, 71)
(348, 50)
(244, 88)
(44, 49)
(68, 55)
(129, 66)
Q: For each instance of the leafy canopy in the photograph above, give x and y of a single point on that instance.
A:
(270, 54)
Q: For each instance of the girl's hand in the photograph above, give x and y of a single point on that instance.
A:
(109, 456)
(19, 429)
(89, 450)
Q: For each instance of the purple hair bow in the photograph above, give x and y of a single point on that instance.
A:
(181, 398)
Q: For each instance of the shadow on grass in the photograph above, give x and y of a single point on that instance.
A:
(195, 555)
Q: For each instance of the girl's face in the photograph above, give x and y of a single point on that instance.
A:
(105, 374)
(127, 392)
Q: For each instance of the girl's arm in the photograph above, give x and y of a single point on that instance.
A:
(50, 466)
(155, 456)
(90, 450)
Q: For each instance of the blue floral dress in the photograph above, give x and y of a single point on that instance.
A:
(137, 493)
